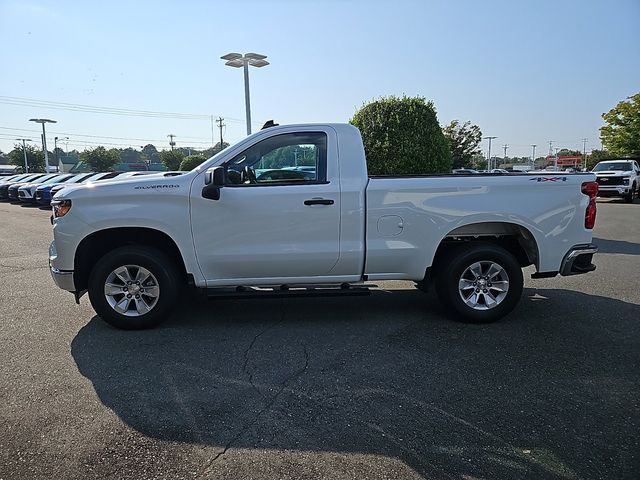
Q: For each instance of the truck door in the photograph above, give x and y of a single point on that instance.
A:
(277, 216)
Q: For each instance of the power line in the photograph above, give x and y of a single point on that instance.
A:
(31, 102)
(99, 136)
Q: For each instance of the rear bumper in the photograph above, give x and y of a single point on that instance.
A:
(578, 260)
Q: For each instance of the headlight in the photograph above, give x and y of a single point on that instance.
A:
(61, 207)
(625, 180)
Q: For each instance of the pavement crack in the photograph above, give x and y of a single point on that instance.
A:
(247, 352)
(283, 385)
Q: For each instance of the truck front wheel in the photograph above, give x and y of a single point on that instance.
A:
(133, 288)
(479, 283)
(631, 195)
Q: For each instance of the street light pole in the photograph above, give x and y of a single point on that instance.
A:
(24, 152)
(44, 139)
(533, 157)
(489, 157)
(238, 60)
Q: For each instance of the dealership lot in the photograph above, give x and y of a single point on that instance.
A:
(367, 387)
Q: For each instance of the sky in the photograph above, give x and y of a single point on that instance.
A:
(528, 72)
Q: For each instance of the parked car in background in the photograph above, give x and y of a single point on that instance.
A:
(43, 192)
(93, 177)
(465, 171)
(499, 170)
(618, 178)
(26, 193)
(26, 177)
(12, 192)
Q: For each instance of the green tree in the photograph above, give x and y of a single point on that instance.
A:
(565, 152)
(172, 159)
(129, 155)
(35, 158)
(189, 163)
(463, 142)
(402, 136)
(149, 154)
(210, 152)
(100, 159)
(621, 134)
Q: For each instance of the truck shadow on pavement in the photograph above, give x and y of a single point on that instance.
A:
(617, 246)
(550, 391)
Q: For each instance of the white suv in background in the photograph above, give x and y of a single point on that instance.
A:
(618, 178)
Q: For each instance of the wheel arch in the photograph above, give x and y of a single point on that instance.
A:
(515, 238)
(95, 245)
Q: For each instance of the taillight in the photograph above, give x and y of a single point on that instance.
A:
(591, 189)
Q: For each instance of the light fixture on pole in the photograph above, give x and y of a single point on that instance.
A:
(24, 152)
(489, 157)
(44, 139)
(238, 60)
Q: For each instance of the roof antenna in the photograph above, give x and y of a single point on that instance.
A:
(268, 124)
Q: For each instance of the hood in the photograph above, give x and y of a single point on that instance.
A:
(614, 173)
(140, 185)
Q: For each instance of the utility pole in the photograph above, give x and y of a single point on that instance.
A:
(171, 142)
(489, 157)
(220, 125)
(24, 152)
(505, 146)
(533, 157)
(213, 140)
(584, 153)
(555, 160)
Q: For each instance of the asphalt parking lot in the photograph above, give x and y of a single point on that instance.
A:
(361, 387)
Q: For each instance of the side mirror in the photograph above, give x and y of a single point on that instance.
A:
(214, 176)
(214, 181)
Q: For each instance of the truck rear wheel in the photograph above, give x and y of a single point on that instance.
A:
(133, 288)
(479, 282)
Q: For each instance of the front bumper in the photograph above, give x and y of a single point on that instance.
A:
(578, 260)
(613, 191)
(62, 278)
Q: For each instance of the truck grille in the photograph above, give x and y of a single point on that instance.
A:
(606, 181)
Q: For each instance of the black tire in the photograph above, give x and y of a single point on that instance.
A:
(456, 262)
(155, 262)
(631, 195)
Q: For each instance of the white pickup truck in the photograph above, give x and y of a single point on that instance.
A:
(291, 209)
(618, 178)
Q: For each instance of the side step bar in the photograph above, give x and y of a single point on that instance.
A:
(287, 291)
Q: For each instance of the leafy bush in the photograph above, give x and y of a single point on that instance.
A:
(189, 163)
(172, 159)
(100, 159)
(402, 136)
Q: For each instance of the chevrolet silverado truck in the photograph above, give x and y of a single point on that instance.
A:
(291, 209)
(618, 178)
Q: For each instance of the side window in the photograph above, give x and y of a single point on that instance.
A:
(290, 158)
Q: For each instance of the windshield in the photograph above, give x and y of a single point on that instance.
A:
(55, 179)
(613, 166)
